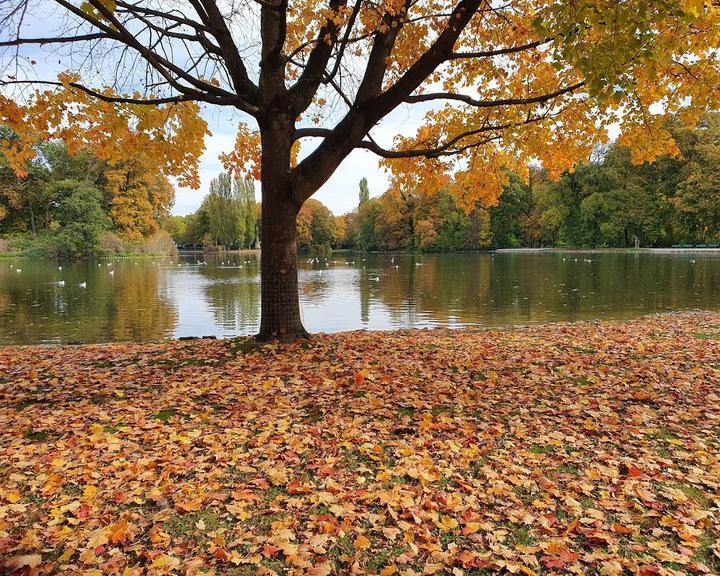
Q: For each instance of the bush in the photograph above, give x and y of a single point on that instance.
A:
(160, 243)
(78, 239)
(40, 246)
(111, 243)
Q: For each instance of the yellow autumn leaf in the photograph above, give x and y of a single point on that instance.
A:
(14, 497)
(361, 542)
(446, 523)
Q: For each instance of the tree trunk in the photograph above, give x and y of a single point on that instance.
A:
(280, 301)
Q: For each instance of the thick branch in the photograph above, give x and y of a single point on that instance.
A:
(273, 29)
(448, 148)
(245, 88)
(126, 99)
(370, 107)
(302, 92)
(383, 43)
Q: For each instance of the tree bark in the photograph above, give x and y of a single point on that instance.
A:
(280, 301)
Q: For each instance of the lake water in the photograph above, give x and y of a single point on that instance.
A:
(197, 295)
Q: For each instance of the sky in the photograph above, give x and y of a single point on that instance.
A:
(339, 194)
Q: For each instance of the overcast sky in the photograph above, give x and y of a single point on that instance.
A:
(340, 193)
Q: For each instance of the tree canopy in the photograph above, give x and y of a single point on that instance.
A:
(511, 80)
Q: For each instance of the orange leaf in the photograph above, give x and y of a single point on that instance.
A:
(362, 543)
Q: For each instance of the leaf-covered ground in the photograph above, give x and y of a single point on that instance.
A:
(588, 448)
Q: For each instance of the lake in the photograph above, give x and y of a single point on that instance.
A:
(200, 295)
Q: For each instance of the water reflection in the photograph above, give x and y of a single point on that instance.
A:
(82, 302)
(146, 299)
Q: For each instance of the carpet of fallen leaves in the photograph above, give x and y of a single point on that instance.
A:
(589, 448)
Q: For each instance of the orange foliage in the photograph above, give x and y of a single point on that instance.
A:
(170, 137)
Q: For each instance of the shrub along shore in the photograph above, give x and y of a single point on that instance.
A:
(565, 448)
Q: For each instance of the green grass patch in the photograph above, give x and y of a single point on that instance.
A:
(245, 345)
(343, 548)
(694, 493)
(662, 434)
(36, 435)
(705, 554)
(165, 414)
(540, 449)
(273, 492)
(706, 336)
(20, 406)
(262, 523)
(382, 558)
(441, 409)
(179, 525)
(520, 536)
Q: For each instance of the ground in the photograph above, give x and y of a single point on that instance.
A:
(588, 448)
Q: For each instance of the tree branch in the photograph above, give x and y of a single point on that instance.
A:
(50, 40)
(492, 103)
(499, 51)
(302, 92)
(371, 106)
(245, 87)
(121, 99)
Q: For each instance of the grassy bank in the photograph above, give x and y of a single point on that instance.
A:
(587, 448)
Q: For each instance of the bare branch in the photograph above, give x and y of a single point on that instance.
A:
(492, 103)
(120, 99)
(57, 40)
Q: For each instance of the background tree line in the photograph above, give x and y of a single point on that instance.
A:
(77, 205)
(606, 201)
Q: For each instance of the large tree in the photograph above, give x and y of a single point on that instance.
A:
(499, 81)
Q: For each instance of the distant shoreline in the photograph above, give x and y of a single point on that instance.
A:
(611, 250)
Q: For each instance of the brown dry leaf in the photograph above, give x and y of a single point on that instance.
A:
(464, 451)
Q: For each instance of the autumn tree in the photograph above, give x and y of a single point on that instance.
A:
(139, 198)
(499, 83)
(317, 231)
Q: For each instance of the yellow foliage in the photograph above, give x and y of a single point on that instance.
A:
(169, 138)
